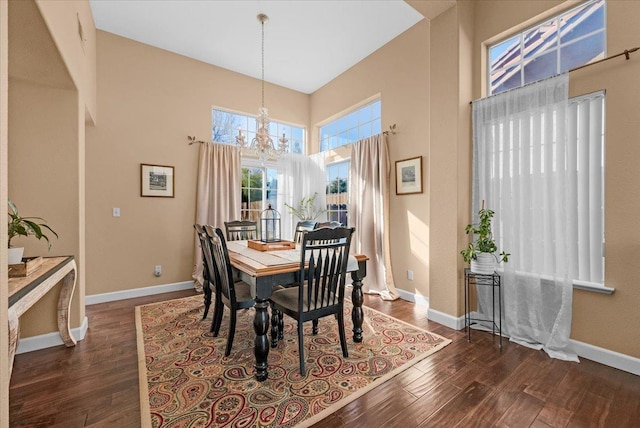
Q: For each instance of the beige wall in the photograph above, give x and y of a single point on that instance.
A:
(399, 72)
(63, 18)
(149, 101)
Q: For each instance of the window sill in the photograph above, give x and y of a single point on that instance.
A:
(589, 286)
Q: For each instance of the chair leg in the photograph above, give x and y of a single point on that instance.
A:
(275, 315)
(314, 329)
(280, 325)
(206, 289)
(343, 339)
(232, 332)
(303, 373)
(218, 312)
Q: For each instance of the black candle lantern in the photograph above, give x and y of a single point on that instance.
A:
(270, 221)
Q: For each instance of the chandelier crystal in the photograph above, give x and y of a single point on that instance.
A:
(262, 145)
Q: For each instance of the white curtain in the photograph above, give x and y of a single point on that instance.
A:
(299, 177)
(524, 170)
(369, 212)
(218, 193)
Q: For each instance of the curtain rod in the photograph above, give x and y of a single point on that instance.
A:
(626, 53)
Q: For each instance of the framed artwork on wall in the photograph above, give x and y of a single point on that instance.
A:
(409, 176)
(156, 180)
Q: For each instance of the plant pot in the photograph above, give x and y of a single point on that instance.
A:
(484, 263)
(14, 255)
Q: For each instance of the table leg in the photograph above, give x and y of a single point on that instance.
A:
(261, 344)
(14, 336)
(64, 306)
(357, 314)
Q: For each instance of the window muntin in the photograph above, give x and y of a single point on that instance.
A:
(574, 38)
(225, 126)
(338, 192)
(259, 189)
(356, 125)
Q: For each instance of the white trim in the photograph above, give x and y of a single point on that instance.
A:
(456, 323)
(418, 299)
(49, 340)
(607, 357)
(137, 292)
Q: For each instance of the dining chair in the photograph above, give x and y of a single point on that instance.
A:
(328, 224)
(235, 294)
(301, 227)
(241, 229)
(207, 262)
(323, 271)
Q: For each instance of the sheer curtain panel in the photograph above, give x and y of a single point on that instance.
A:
(218, 193)
(299, 177)
(534, 166)
(369, 212)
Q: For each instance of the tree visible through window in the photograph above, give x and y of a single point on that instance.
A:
(259, 189)
(338, 192)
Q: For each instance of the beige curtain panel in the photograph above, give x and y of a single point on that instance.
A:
(218, 193)
(369, 212)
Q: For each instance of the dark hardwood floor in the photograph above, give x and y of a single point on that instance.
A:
(466, 384)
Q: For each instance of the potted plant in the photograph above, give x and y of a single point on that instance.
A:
(306, 209)
(481, 253)
(24, 226)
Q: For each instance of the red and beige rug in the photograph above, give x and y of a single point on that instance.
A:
(186, 381)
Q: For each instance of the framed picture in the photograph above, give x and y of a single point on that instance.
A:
(156, 180)
(409, 176)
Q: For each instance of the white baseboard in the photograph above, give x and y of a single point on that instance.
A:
(137, 292)
(456, 323)
(418, 299)
(49, 340)
(607, 357)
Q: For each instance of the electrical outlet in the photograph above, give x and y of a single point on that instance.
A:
(116, 212)
(410, 275)
(158, 270)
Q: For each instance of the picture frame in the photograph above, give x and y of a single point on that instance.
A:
(409, 176)
(157, 181)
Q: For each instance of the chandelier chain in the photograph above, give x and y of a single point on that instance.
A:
(262, 63)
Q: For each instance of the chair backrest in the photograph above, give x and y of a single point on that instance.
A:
(207, 257)
(241, 230)
(221, 262)
(301, 227)
(323, 268)
(328, 224)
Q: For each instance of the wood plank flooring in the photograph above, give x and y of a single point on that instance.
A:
(466, 384)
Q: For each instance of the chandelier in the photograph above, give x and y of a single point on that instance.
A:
(262, 145)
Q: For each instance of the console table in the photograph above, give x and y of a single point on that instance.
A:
(492, 280)
(26, 291)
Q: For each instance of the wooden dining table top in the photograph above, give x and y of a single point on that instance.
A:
(263, 263)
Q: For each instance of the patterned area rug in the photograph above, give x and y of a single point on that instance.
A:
(186, 381)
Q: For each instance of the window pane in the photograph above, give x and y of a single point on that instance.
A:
(541, 39)
(541, 67)
(503, 80)
(365, 114)
(376, 108)
(351, 127)
(582, 52)
(505, 53)
(582, 21)
(352, 120)
(376, 127)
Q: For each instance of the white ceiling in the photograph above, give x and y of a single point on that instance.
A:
(307, 42)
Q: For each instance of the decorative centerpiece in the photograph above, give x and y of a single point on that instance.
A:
(481, 252)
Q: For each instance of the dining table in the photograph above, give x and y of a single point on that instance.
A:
(265, 270)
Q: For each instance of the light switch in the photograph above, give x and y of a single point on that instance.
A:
(116, 212)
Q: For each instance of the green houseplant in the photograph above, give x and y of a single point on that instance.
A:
(24, 226)
(306, 209)
(481, 252)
